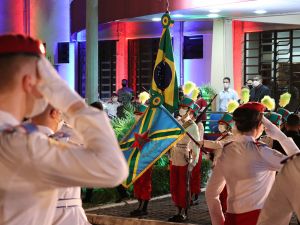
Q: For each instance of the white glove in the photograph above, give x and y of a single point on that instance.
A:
(53, 88)
(273, 131)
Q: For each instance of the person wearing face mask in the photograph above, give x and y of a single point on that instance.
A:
(259, 91)
(48, 123)
(180, 162)
(215, 148)
(226, 95)
(247, 167)
(142, 186)
(249, 84)
(274, 118)
(124, 88)
(112, 105)
(34, 165)
(196, 173)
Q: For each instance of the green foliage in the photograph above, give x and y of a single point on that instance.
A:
(206, 166)
(208, 90)
(121, 126)
(163, 161)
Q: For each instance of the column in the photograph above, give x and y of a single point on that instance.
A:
(91, 91)
(222, 53)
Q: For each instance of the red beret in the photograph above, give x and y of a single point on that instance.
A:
(257, 106)
(17, 43)
(113, 94)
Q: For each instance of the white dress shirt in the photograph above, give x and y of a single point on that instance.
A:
(33, 167)
(225, 97)
(248, 170)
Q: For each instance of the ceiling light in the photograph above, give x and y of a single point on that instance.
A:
(213, 15)
(177, 15)
(260, 11)
(214, 10)
(156, 19)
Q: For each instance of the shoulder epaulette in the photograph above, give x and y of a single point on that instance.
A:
(228, 143)
(260, 144)
(68, 126)
(26, 128)
(188, 123)
(59, 135)
(289, 158)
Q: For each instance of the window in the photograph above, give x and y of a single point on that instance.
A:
(107, 68)
(63, 52)
(193, 47)
(275, 55)
(141, 60)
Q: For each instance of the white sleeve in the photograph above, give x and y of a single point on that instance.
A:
(272, 159)
(217, 144)
(235, 96)
(193, 130)
(289, 146)
(218, 105)
(214, 187)
(201, 131)
(100, 163)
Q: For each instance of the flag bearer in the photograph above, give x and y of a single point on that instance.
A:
(180, 162)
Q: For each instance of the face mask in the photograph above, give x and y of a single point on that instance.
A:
(39, 106)
(222, 128)
(256, 83)
(182, 112)
(250, 86)
(226, 85)
(114, 99)
(59, 125)
(137, 117)
(124, 85)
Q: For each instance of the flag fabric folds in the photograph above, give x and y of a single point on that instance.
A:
(164, 79)
(150, 138)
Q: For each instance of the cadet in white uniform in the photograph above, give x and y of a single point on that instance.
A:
(32, 166)
(283, 198)
(247, 168)
(69, 206)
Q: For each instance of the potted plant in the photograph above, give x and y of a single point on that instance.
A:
(209, 92)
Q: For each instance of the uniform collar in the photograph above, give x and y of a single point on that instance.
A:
(7, 120)
(186, 119)
(45, 130)
(244, 138)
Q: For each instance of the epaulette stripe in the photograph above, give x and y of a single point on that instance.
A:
(289, 158)
(228, 143)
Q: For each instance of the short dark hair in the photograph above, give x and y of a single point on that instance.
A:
(246, 119)
(293, 121)
(259, 76)
(226, 78)
(199, 94)
(125, 80)
(250, 79)
(97, 105)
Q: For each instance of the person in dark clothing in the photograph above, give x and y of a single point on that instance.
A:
(292, 126)
(259, 90)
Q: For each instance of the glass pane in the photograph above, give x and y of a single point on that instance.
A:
(296, 51)
(296, 59)
(296, 42)
(296, 33)
(252, 44)
(252, 61)
(283, 34)
(252, 70)
(267, 35)
(251, 53)
(252, 36)
(267, 57)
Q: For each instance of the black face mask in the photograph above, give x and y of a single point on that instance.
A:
(250, 86)
(124, 85)
(180, 94)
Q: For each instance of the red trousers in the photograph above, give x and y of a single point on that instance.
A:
(178, 175)
(248, 218)
(142, 186)
(196, 177)
(223, 199)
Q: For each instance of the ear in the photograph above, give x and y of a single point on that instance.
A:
(53, 113)
(27, 83)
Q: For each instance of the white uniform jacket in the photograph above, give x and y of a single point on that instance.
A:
(69, 205)
(217, 145)
(33, 167)
(112, 108)
(248, 170)
(283, 198)
(180, 152)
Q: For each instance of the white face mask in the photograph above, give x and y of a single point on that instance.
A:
(256, 83)
(39, 106)
(222, 128)
(226, 85)
(137, 117)
(59, 125)
(115, 99)
(182, 112)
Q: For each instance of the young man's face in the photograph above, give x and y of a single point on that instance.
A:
(124, 83)
(249, 82)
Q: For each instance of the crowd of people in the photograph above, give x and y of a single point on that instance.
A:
(64, 145)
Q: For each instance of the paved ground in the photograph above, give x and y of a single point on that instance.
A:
(162, 209)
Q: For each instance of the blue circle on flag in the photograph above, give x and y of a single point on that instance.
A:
(163, 75)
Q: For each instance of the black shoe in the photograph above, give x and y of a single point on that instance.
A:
(138, 212)
(122, 197)
(87, 200)
(174, 218)
(194, 202)
(182, 218)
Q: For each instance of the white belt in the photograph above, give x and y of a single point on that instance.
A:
(65, 203)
